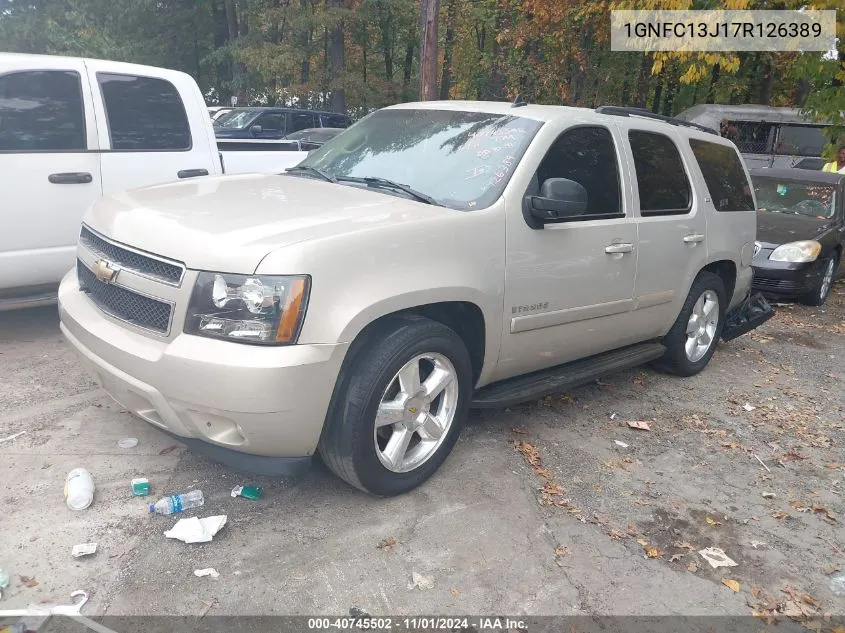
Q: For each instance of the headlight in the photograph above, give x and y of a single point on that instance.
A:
(796, 252)
(248, 308)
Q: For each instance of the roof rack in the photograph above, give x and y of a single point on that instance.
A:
(648, 114)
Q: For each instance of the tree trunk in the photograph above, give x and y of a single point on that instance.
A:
(658, 91)
(305, 43)
(496, 85)
(448, 45)
(642, 81)
(714, 79)
(766, 86)
(429, 10)
(669, 100)
(238, 68)
(338, 97)
(387, 36)
(802, 91)
(408, 68)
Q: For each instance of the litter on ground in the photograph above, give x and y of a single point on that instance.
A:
(196, 530)
(716, 557)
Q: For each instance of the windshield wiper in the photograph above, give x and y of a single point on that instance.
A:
(312, 170)
(384, 183)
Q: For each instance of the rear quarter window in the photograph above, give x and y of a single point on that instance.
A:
(722, 170)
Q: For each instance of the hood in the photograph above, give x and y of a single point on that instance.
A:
(230, 223)
(780, 228)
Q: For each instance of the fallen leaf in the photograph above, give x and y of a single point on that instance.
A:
(632, 529)
(779, 515)
(29, 581)
(388, 543)
(639, 379)
(692, 568)
(683, 545)
(811, 600)
(168, 450)
(455, 591)
(756, 591)
(733, 585)
(653, 552)
(712, 522)
(639, 424)
(561, 551)
(640, 502)
(551, 488)
(616, 534)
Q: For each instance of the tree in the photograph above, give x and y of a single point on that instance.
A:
(429, 14)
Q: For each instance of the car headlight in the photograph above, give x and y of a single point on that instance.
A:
(797, 252)
(248, 308)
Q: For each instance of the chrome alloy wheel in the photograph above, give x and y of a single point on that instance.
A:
(701, 327)
(416, 412)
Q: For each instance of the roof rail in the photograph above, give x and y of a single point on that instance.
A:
(648, 114)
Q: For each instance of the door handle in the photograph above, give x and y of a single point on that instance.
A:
(192, 173)
(71, 178)
(695, 238)
(624, 247)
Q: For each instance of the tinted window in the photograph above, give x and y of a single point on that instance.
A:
(144, 113)
(41, 111)
(661, 180)
(587, 156)
(335, 120)
(463, 160)
(271, 122)
(300, 121)
(800, 140)
(722, 171)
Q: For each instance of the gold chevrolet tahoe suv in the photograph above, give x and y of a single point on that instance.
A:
(431, 258)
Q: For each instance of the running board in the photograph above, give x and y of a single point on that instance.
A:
(567, 376)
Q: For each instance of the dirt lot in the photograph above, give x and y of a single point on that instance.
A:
(557, 507)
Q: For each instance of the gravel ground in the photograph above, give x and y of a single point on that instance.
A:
(554, 507)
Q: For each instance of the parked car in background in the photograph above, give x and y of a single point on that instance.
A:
(274, 123)
(433, 257)
(312, 138)
(215, 112)
(765, 136)
(800, 232)
(72, 130)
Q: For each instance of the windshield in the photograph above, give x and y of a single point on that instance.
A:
(236, 119)
(816, 200)
(462, 160)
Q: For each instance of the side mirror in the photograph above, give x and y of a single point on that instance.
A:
(255, 130)
(559, 200)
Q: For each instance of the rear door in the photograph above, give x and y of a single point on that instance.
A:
(49, 169)
(672, 226)
(300, 121)
(152, 130)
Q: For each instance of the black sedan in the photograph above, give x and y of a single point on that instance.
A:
(800, 233)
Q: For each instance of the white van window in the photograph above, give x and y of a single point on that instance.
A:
(41, 111)
(800, 140)
(144, 113)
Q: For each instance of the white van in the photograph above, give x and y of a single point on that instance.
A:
(73, 130)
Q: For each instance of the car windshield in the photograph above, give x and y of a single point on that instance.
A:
(236, 119)
(811, 199)
(461, 160)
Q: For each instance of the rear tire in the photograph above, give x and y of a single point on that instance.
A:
(391, 426)
(821, 291)
(691, 342)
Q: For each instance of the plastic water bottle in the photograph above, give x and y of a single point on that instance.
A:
(177, 503)
(79, 489)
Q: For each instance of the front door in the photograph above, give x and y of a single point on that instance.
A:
(569, 286)
(49, 169)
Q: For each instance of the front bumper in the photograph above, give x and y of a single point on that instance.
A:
(786, 279)
(259, 409)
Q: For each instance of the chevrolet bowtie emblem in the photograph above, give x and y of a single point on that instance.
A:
(105, 271)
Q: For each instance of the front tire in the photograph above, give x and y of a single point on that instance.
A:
(821, 291)
(691, 342)
(400, 406)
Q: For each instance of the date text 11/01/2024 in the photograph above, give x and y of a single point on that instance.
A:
(416, 624)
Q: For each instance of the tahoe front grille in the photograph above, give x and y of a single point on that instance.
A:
(123, 304)
(158, 269)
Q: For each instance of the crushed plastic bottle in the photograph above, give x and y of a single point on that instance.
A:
(177, 503)
(79, 489)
